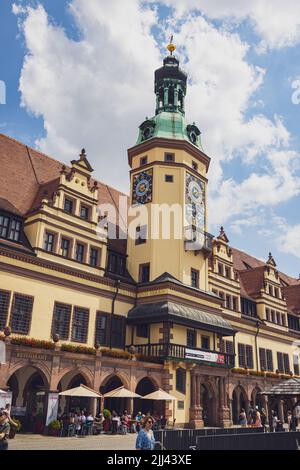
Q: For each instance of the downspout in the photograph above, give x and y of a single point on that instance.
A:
(117, 285)
(256, 348)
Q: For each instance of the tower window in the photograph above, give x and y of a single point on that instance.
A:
(141, 235)
(68, 206)
(171, 95)
(169, 178)
(169, 157)
(144, 272)
(143, 161)
(195, 166)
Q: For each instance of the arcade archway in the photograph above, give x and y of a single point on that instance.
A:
(143, 388)
(239, 401)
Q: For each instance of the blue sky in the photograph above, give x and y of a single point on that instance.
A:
(81, 74)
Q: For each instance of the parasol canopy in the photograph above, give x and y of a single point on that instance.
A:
(121, 392)
(81, 391)
(289, 387)
(159, 395)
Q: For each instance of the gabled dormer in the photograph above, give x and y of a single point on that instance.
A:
(63, 223)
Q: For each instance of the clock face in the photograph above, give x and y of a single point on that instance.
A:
(142, 187)
(195, 201)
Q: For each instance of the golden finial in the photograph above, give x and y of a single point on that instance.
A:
(171, 47)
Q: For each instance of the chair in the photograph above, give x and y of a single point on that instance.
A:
(87, 429)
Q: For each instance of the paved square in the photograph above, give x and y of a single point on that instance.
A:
(102, 442)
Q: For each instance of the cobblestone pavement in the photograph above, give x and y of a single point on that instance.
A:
(102, 442)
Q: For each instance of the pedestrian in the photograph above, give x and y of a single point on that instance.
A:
(263, 417)
(257, 421)
(4, 430)
(243, 418)
(275, 421)
(145, 439)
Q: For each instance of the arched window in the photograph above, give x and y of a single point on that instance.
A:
(161, 97)
(181, 380)
(171, 95)
(180, 98)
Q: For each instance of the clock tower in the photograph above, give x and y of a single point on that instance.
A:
(169, 188)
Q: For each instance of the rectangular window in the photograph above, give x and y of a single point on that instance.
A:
(273, 316)
(80, 253)
(205, 342)
(141, 235)
(94, 254)
(283, 322)
(227, 272)
(245, 355)
(278, 319)
(169, 157)
(296, 364)
(293, 322)
(68, 205)
(270, 290)
(61, 320)
(268, 314)
(286, 363)
(144, 272)
(226, 347)
(195, 166)
(80, 325)
(191, 338)
(143, 161)
(181, 380)
(276, 291)
(101, 332)
(49, 242)
(142, 331)
(195, 278)
(4, 306)
(118, 332)
(15, 230)
(235, 304)
(21, 314)
(169, 178)
(222, 295)
(65, 247)
(228, 301)
(220, 269)
(4, 222)
(84, 212)
(266, 359)
(117, 264)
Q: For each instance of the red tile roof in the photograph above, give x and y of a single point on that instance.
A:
(292, 294)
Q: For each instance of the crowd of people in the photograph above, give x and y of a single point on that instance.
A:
(258, 418)
(80, 423)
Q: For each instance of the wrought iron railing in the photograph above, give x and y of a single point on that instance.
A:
(180, 352)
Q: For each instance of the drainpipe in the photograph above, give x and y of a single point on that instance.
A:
(256, 348)
(117, 285)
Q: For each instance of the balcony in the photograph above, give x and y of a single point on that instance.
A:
(178, 352)
(196, 239)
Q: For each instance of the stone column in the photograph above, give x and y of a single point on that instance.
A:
(224, 412)
(281, 411)
(195, 409)
(266, 407)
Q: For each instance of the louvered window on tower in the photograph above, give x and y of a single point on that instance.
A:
(61, 320)
(80, 325)
(21, 314)
(4, 306)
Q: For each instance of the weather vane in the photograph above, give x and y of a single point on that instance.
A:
(171, 47)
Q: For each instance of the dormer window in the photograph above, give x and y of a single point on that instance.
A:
(80, 253)
(84, 212)
(10, 228)
(68, 206)
(65, 247)
(49, 242)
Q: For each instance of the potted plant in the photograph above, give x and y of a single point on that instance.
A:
(54, 428)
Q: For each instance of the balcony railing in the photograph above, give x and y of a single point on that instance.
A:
(184, 353)
(197, 239)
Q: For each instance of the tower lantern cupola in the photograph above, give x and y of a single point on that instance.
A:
(170, 84)
(169, 120)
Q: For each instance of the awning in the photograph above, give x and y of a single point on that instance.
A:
(159, 395)
(121, 392)
(180, 314)
(289, 387)
(81, 391)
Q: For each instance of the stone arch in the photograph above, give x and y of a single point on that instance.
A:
(240, 401)
(84, 371)
(39, 366)
(120, 375)
(111, 382)
(256, 399)
(208, 403)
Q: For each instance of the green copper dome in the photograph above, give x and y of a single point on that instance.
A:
(169, 120)
(169, 125)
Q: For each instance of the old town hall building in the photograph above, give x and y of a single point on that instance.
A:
(194, 316)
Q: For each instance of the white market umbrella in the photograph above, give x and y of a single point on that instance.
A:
(121, 392)
(2, 391)
(82, 391)
(159, 395)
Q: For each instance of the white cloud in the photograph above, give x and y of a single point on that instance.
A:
(277, 23)
(289, 241)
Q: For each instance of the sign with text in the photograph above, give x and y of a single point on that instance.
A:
(204, 356)
(52, 408)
